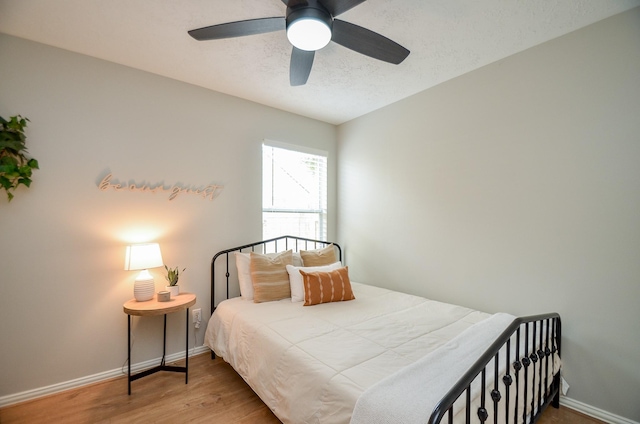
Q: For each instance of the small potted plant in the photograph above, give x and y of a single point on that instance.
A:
(173, 274)
(15, 166)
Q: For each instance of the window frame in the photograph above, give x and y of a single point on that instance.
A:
(322, 213)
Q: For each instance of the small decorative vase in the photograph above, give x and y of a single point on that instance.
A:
(174, 290)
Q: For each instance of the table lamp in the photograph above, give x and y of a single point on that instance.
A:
(142, 257)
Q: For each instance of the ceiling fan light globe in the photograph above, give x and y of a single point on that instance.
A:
(308, 34)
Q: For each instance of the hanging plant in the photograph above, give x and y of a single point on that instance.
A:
(15, 166)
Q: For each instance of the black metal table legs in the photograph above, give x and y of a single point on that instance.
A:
(162, 366)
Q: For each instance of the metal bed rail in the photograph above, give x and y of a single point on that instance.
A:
(527, 347)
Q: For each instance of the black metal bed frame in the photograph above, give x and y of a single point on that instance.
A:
(537, 339)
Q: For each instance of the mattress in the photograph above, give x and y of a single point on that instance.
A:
(311, 364)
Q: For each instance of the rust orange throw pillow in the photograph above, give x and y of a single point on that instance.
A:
(325, 287)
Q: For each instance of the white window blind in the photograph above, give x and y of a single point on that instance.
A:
(294, 192)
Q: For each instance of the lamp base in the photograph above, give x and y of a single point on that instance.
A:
(144, 290)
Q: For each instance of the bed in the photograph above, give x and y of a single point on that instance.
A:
(382, 357)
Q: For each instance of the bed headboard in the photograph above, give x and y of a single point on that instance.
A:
(277, 244)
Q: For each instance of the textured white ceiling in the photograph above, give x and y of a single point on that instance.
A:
(447, 38)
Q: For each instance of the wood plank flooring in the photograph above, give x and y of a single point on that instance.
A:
(215, 394)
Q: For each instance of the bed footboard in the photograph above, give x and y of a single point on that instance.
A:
(524, 364)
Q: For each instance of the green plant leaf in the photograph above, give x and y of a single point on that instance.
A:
(9, 161)
(15, 146)
(25, 170)
(5, 182)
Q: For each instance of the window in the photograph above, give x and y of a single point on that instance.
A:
(294, 192)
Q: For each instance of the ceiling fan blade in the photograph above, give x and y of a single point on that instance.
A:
(336, 7)
(367, 42)
(239, 28)
(301, 62)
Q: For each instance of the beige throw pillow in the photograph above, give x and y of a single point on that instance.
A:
(319, 257)
(269, 276)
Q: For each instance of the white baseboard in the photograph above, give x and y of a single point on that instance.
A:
(594, 412)
(95, 378)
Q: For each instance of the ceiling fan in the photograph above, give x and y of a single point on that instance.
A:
(310, 25)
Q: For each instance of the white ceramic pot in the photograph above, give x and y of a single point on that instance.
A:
(174, 290)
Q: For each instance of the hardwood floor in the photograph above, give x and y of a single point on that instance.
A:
(215, 394)
(566, 416)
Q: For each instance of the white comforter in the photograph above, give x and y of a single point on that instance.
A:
(311, 364)
(410, 395)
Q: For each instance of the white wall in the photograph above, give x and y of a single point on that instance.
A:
(515, 188)
(62, 241)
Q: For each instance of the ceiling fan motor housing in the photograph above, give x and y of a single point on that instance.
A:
(312, 13)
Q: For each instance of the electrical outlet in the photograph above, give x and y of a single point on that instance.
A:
(197, 317)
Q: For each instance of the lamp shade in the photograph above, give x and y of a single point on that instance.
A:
(142, 256)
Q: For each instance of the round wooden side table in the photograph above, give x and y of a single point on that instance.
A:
(153, 307)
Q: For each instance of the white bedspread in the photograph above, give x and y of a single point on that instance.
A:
(410, 395)
(311, 364)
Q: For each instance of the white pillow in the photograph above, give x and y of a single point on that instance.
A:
(243, 261)
(243, 265)
(295, 278)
